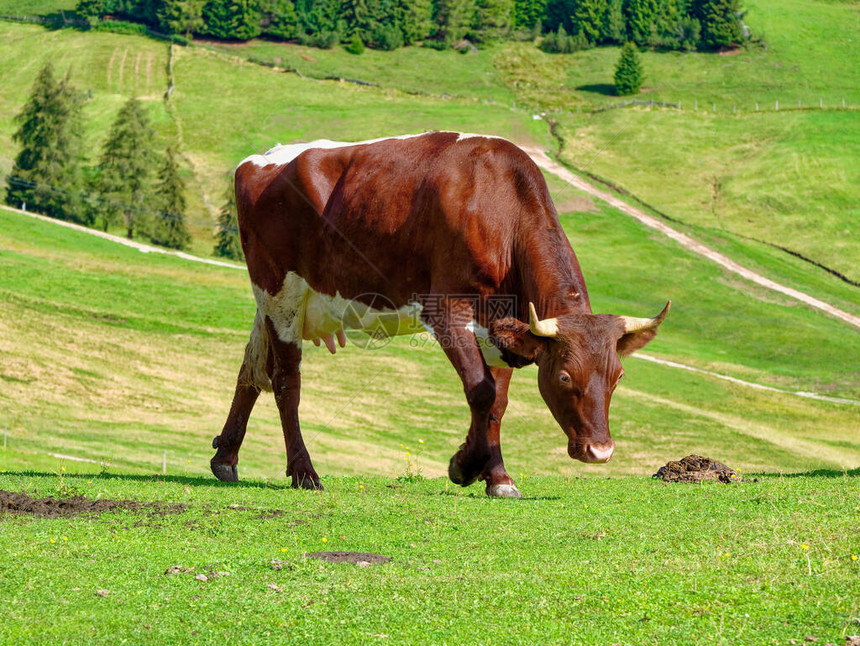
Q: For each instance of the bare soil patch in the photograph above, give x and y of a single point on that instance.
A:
(695, 468)
(362, 559)
(50, 507)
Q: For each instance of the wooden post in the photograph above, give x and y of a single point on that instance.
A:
(697, 105)
(777, 105)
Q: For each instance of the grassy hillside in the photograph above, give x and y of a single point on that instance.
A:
(591, 561)
(110, 354)
(786, 178)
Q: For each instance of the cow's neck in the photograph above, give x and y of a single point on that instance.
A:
(549, 275)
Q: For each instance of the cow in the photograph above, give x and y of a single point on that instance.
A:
(443, 232)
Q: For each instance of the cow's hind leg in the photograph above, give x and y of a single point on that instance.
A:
(499, 483)
(287, 383)
(253, 377)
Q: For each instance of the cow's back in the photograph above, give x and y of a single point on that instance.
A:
(435, 212)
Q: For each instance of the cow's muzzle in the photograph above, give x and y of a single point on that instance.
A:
(591, 451)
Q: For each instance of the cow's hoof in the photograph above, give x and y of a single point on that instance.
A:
(307, 482)
(503, 491)
(456, 474)
(225, 472)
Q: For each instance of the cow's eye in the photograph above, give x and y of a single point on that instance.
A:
(564, 378)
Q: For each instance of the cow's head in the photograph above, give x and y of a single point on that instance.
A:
(578, 368)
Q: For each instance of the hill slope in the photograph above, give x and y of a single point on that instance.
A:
(114, 354)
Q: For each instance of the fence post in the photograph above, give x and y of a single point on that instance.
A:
(843, 101)
(697, 105)
(164, 463)
(5, 434)
(679, 104)
(715, 107)
(756, 106)
(734, 109)
(777, 105)
(820, 103)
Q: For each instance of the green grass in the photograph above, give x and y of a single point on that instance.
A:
(786, 178)
(595, 561)
(111, 354)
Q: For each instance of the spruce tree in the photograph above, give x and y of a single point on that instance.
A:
(415, 19)
(278, 18)
(614, 28)
(528, 13)
(493, 19)
(453, 19)
(587, 19)
(640, 15)
(227, 244)
(628, 71)
(720, 21)
(168, 227)
(181, 16)
(46, 173)
(126, 166)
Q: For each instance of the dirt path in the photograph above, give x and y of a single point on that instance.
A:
(145, 248)
(543, 160)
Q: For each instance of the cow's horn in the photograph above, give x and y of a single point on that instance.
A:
(632, 324)
(547, 327)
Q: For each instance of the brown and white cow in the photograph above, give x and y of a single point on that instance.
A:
(440, 221)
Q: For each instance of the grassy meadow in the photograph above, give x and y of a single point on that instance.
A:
(589, 561)
(144, 350)
(113, 360)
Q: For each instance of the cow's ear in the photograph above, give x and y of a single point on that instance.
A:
(630, 343)
(519, 347)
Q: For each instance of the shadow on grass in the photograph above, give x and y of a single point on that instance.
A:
(606, 89)
(817, 473)
(483, 496)
(207, 481)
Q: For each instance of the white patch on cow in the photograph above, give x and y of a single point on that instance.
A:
(286, 308)
(469, 135)
(326, 315)
(284, 154)
(492, 355)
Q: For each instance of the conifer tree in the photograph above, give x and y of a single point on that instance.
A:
(278, 18)
(46, 173)
(181, 16)
(126, 166)
(528, 13)
(453, 19)
(628, 71)
(168, 227)
(415, 19)
(720, 21)
(493, 19)
(640, 15)
(587, 19)
(227, 244)
(614, 28)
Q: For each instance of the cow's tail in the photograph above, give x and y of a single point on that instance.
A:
(254, 371)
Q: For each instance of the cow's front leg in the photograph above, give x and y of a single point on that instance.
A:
(463, 351)
(287, 383)
(499, 483)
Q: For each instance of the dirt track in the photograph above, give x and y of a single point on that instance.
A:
(543, 160)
